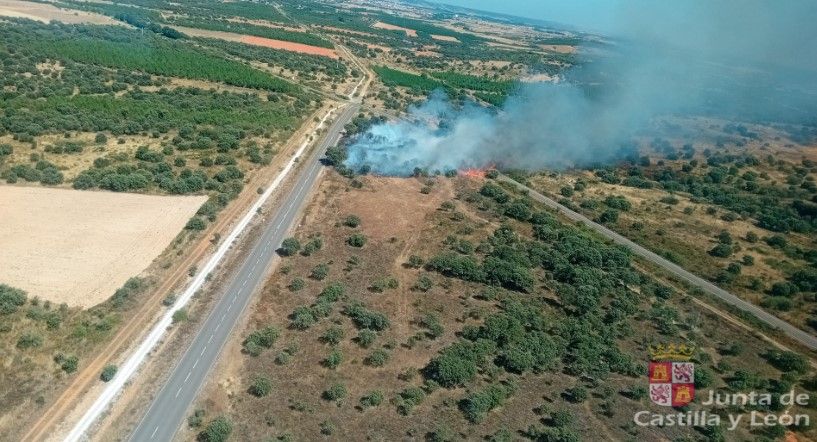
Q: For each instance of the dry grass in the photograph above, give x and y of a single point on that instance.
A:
(46, 13)
(78, 247)
(381, 25)
(400, 221)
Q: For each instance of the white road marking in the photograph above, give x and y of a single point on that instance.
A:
(154, 432)
(130, 367)
(178, 391)
(202, 350)
(188, 376)
(211, 338)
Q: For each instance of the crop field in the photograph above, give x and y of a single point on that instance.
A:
(77, 248)
(260, 41)
(45, 13)
(388, 27)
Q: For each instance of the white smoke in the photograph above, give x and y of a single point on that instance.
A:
(751, 60)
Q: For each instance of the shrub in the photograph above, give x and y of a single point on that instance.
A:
(261, 386)
(303, 318)
(576, 394)
(296, 284)
(451, 368)
(195, 420)
(260, 339)
(320, 272)
(290, 247)
(100, 138)
(618, 203)
(68, 364)
(372, 399)
(608, 216)
(29, 340)
(366, 338)
(408, 399)
(333, 335)
(351, 221)
(334, 359)
(218, 430)
(476, 405)
(10, 299)
(179, 315)
(195, 223)
(108, 372)
(378, 358)
(415, 262)
(335, 392)
(721, 250)
(787, 361)
(365, 318)
(312, 246)
(356, 240)
(327, 428)
(423, 284)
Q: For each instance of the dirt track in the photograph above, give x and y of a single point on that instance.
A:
(134, 327)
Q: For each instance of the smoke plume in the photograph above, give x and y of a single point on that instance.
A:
(746, 60)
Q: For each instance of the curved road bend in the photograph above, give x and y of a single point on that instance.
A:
(793, 332)
(170, 406)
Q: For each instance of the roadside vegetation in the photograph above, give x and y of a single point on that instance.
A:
(501, 320)
(724, 207)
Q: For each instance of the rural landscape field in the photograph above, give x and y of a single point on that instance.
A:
(408, 220)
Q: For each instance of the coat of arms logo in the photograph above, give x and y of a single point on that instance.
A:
(672, 376)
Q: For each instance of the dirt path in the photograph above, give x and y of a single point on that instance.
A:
(137, 320)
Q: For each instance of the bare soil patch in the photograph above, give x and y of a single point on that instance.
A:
(381, 25)
(78, 247)
(259, 41)
(46, 13)
(562, 49)
(445, 38)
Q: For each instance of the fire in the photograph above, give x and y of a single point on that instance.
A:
(476, 172)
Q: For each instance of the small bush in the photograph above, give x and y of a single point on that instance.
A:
(366, 338)
(297, 284)
(372, 399)
(357, 240)
(108, 372)
(180, 315)
(333, 335)
(290, 247)
(352, 221)
(195, 223)
(334, 359)
(29, 340)
(320, 272)
(335, 393)
(218, 430)
(378, 358)
(261, 386)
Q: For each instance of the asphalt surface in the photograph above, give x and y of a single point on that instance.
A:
(170, 407)
(793, 332)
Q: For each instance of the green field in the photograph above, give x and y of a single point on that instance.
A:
(162, 58)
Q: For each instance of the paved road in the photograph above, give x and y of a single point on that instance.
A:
(170, 407)
(793, 332)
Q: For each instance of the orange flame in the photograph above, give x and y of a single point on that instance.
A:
(476, 172)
